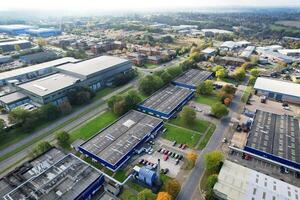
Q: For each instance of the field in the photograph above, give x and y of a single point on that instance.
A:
(207, 100)
(199, 126)
(181, 135)
(280, 28)
(289, 23)
(92, 127)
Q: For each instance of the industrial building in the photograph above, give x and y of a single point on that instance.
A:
(13, 100)
(166, 102)
(97, 72)
(247, 52)
(115, 144)
(69, 178)
(43, 32)
(191, 78)
(53, 88)
(275, 137)
(236, 182)
(28, 73)
(38, 57)
(278, 90)
(11, 45)
(15, 29)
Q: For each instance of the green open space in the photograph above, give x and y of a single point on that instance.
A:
(93, 126)
(207, 99)
(207, 136)
(199, 125)
(128, 195)
(150, 66)
(246, 94)
(287, 29)
(181, 135)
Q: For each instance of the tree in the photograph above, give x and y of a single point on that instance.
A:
(219, 110)
(17, 47)
(211, 181)
(173, 188)
(205, 88)
(65, 107)
(146, 194)
(174, 71)
(230, 89)
(213, 161)
(131, 100)
(239, 74)
(18, 116)
(188, 115)
(63, 139)
(40, 148)
(2, 125)
(49, 111)
(252, 80)
(163, 196)
(191, 159)
(122, 78)
(41, 42)
(227, 101)
(221, 73)
(166, 77)
(255, 72)
(150, 83)
(217, 68)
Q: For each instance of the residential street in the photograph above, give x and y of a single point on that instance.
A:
(189, 190)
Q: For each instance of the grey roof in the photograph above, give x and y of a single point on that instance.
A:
(277, 86)
(275, 134)
(66, 179)
(12, 97)
(49, 84)
(15, 27)
(167, 99)
(193, 77)
(16, 42)
(33, 68)
(94, 65)
(114, 142)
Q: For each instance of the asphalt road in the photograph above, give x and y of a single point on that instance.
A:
(188, 189)
(97, 107)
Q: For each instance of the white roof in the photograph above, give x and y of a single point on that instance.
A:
(208, 50)
(49, 84)
(93, 65)
(277, 86)
(15, 42)
(237, 182)
(33, 68)
(286, 51)
(12, 97)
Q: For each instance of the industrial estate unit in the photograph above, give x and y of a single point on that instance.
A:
(115, 144)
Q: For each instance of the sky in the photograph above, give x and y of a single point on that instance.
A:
(84, 5)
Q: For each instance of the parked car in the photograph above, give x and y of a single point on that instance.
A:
(159, 150)
(166, 157)
(263, 99)
(165, 171)
(177, 161)
(174, 143)
(141, 161)
(180, 157)
(184, 146)
(224, 140)
(166, 152)
(173, 155)
(170, 153)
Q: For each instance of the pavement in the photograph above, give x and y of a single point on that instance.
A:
(190, 189)
(95, 108)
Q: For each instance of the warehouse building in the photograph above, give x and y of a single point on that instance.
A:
(53, 88)
(236, 182)
(115, 144)
(275, 137)
(38, 57)
(11, 45)
(13, 100)
(43, 32)
(278, 90)
(32, 72)
(97, 72)
(166, 102)
(191, 78)
(70, 178)
(15, 29)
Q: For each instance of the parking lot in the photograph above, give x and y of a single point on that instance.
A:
(265, 167)
(272, 106)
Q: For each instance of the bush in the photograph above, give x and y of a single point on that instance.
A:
(219, 110)
(63, 139)
(173, 188)
(163, 196)
(146, 194)
(150, 83)
(205, 88)
(213, 161)
(188, 115)
(40, 148)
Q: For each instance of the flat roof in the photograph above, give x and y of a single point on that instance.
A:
(275, 134)
(114, 142)
(49, 84)
(193, 77)
(236, 182)
(277, 86)
(66, 179)
(16, 42)
(15, 27)
(12, 97)
(167, 99)
(33, 68)
(94, 65)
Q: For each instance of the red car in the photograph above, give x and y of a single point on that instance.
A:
(166, 157)
(166, 152)
(184, 146)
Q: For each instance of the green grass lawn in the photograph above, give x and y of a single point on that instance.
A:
(230, 80)
(199, 126)
(246, 94)
(150, 66)
(94, 126)
(181, 135)
(206, 138)
(207, 100)
(132, 184)
(128, 195)
(120, 175)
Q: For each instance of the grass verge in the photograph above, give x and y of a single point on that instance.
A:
(246, 94)
(207, 100)
(206, 138)
(181, 135)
